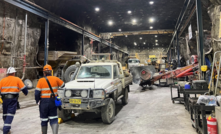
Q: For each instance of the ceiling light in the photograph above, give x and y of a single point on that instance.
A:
(125, 35)
(157, 44)
(141, 38)
(135, 43)
(156, 40)
(144, 43)
(151, 2)
(151, 20)
(129, 12)
(134, 20)
(119, 29)
(110, 22)
(151, 27)
(155, 35)
(97, 9)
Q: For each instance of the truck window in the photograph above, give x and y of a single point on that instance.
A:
(95, 72)
(116, 72)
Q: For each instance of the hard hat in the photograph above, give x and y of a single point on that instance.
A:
(47, 68)
(11, 70)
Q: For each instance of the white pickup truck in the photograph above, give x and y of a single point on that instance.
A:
(96, 87)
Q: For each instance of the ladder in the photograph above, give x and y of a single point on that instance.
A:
(216, 64)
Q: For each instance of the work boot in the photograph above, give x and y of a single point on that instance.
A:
(54, 128)
(44, 129)
(9, 132)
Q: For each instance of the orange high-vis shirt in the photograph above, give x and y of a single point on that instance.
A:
(43, 87)
(11, 85)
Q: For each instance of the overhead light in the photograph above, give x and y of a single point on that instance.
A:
(151, 27)
(155, 35)
(144, 43)
(129, 12)
(135, 43)
(97, 9)
(156, 40)
(125, 35)
(134, 21)
(141, 38)
(119, 29)
(110, 22)
(151, 2)
(151, 20)
(157, 44)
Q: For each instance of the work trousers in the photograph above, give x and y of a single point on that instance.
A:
(9, 109)
(48, 111)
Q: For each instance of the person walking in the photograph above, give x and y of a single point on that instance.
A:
(9, 90)
(44, 97)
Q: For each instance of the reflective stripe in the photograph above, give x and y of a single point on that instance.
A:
(47, 94)
(9, 87)
(8, 114)
(211, 123)
(52, 117)
(38, 89)
(9, 92)
(7, 124)
(44, 119)
(62, 85)
(43, 89)
(22, 88)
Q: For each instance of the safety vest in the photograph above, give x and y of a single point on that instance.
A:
(43, 87)
(11, 85)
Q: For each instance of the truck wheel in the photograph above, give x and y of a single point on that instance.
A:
(108, 112)
(64, 114)
(69, 73)
(125, 98)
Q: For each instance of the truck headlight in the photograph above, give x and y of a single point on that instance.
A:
(68, 93)
(99, 94)
(84, 94)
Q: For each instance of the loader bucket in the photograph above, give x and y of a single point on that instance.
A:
(142, 72)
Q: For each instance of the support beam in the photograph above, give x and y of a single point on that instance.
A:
(46, 42)
(200, 29)
(180, 19)
(109, 35)
(82, 45)
(178, 50)
(39, 11)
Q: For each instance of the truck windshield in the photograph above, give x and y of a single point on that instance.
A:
(95, 72)
(133, 61)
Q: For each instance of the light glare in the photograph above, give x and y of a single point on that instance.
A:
(97, 9)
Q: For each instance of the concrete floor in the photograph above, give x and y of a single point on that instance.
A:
(148, 112)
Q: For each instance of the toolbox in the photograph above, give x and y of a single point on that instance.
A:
(200, 85)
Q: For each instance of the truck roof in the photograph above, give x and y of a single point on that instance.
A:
(102, 62)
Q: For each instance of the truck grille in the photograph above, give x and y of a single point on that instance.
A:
(76, 93)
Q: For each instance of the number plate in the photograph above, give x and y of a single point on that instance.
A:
(75, 101)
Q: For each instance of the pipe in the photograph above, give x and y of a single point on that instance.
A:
(24, 58)
(183, 73)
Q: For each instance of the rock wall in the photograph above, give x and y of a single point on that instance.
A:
(12, 31)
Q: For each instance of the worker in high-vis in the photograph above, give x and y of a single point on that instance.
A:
(44, 97)
(10, 87)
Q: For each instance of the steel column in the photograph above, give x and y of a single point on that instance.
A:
(46, 42)
(200, 29)
(178, 49)
(82, 45)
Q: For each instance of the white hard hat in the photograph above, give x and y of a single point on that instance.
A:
(11, 70)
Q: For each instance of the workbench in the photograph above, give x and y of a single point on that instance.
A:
(180, 91)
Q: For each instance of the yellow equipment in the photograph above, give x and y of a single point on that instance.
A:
(204, 68)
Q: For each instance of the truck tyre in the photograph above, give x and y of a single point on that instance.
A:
(125, 98)
(108, 112)
(69, 72)
(64, 114)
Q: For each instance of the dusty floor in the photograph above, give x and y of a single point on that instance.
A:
(148, 112)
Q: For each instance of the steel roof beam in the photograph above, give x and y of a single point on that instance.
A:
(39, 11)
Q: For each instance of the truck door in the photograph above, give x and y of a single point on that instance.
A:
(117, 81)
